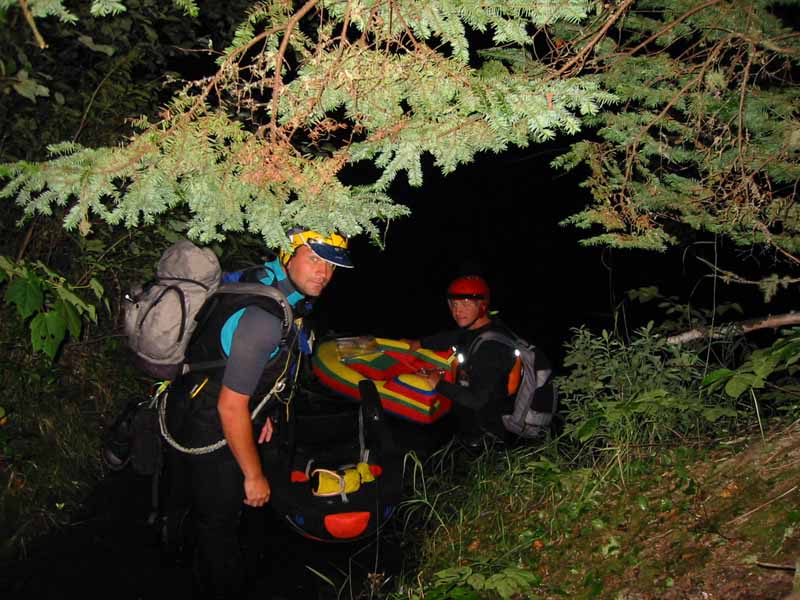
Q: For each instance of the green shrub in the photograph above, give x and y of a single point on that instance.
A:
(636, 394)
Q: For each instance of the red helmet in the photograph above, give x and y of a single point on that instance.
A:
(471, 286)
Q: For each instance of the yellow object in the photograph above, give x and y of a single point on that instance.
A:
(364, 472)
(303, 237)
(334, 483)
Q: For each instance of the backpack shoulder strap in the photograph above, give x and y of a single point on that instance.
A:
(259, 290)
(509, 339)
(250, 293)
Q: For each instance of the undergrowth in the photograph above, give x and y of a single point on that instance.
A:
(556, 519)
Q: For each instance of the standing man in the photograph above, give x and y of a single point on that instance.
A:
(489, 371)
(262, 357)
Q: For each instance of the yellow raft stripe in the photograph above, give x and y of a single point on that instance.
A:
(428, 355)
(328, 358)
(393, 344)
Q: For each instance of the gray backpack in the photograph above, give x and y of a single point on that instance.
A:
(524, 421)
(160, 316)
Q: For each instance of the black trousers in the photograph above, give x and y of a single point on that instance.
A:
(226, 531)
(217, 495)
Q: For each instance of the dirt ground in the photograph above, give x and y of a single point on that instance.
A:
(725, 527)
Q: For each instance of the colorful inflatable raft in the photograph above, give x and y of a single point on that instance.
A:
(340, 364)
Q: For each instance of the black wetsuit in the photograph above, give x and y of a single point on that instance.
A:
(250, 338)
(480, 394)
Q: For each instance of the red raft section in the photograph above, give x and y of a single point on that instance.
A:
(397, 371)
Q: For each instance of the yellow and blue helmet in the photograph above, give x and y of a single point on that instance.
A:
(331, 248)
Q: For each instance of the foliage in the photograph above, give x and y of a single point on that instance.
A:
(637, 394)
(39, 9)
(51, 305)
(261, 148)
(54, 425)
(774, 368)
(96, 73)
(679, 315)
(699, 128)
(705, 135)
(464, 583)
(561, 512)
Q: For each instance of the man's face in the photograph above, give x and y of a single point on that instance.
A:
(465, 311)
(309, 273)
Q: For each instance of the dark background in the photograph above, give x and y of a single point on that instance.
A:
(500, 218)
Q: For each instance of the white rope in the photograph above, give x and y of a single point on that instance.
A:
(162, 421)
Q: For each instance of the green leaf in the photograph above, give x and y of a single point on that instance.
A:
(71, 298)
(644, 294)
(740, 383)
(501, 584)
(89, 43)
(29, 88)
(476, 581)
(764, 365)
(47, 332)
(452, 593)
(71, 318)
(92, 313)
(711, 414)
(26, 293)
(587, 429)
(453, 574)
(7, 265)
(97, 288)
(716, 376)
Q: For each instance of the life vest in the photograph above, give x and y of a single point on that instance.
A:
(209, 348)
(465, 352)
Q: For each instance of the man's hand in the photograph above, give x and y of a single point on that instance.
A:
(413, 345)
(266, 432)
(256, 491)
(433, 377)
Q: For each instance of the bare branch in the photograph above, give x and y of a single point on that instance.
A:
(26, 10)
(277, 81)
(672, 24)
(580, 57)
(737, 328)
